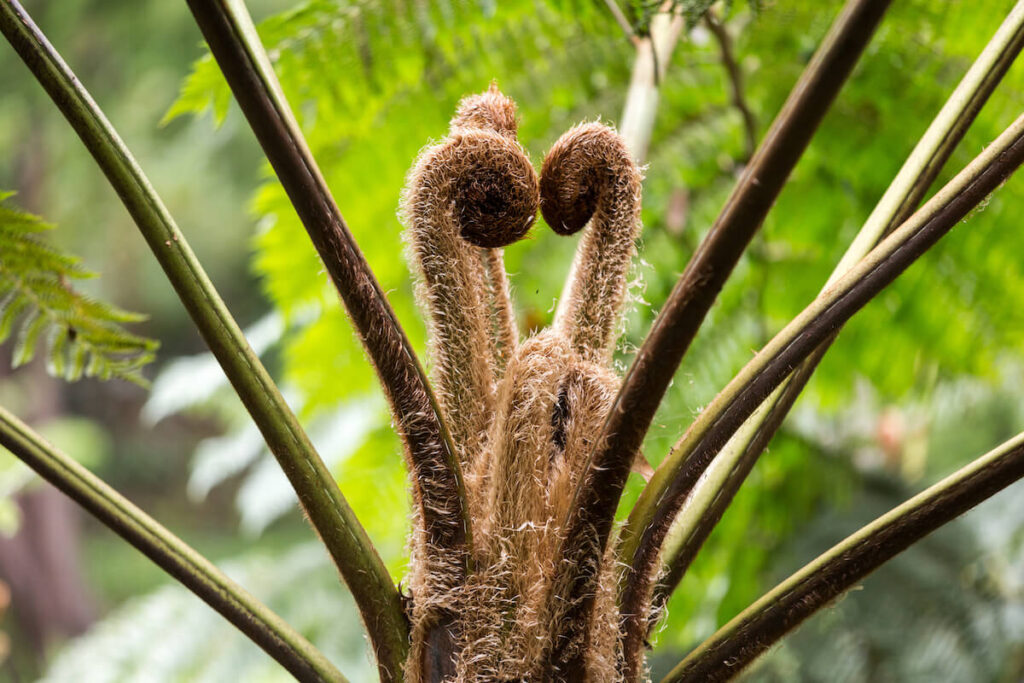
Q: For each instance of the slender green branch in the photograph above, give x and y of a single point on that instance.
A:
(595, 502)
(173, 555)
(436, 475)
(819, 583)
(659, 503)
(713, 493)
(325, 506)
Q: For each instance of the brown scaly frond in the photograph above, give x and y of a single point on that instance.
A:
(465, 198)
(523, 416)
(589, 177)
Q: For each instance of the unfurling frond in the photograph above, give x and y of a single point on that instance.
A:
(84, 336)
(523, 416)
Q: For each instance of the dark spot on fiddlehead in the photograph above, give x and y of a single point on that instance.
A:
(559, 417)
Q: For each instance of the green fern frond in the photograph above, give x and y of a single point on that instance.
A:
(83, 335)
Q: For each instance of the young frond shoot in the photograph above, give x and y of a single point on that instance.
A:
(523, 429)
(84, 336)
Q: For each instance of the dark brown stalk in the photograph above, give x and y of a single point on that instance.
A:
(917, 174)
(742, 640)
(436, 476)
(659, 503)
(651, 372)
(435, 472)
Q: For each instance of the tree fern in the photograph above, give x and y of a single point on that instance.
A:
(84, 336)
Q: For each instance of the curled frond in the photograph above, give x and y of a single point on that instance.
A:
(475, 189)
(589, 177)
(481, 183)
(465, 198)
(490, 110)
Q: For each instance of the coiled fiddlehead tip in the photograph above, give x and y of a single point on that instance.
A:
(496, 193)
(489, 110)
(479, 177)
(481, 174)
(576, 171)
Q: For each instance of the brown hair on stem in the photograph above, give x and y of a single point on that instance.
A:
(589, 177)
(474, 192)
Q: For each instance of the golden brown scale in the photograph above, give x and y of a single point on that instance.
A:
(523, 416)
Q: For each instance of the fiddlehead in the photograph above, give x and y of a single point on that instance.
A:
(466, 197)
(475, 190)
(589, 177)
(550, 405)
(523, 417)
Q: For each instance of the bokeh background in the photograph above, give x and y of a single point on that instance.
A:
(928, 376)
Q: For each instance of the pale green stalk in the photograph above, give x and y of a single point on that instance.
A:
(738, 643)
(324, 504)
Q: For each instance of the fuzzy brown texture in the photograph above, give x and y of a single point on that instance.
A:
(503, 317)
(475, 189)
(523, 416)
(589, 177)
(490, 110)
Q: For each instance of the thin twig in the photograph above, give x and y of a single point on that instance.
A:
(819, 583)
(325, 506)
(712, 495)
(621, 20)
(659, 503)
(191, 569)
(597, 498)
(735, 75)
